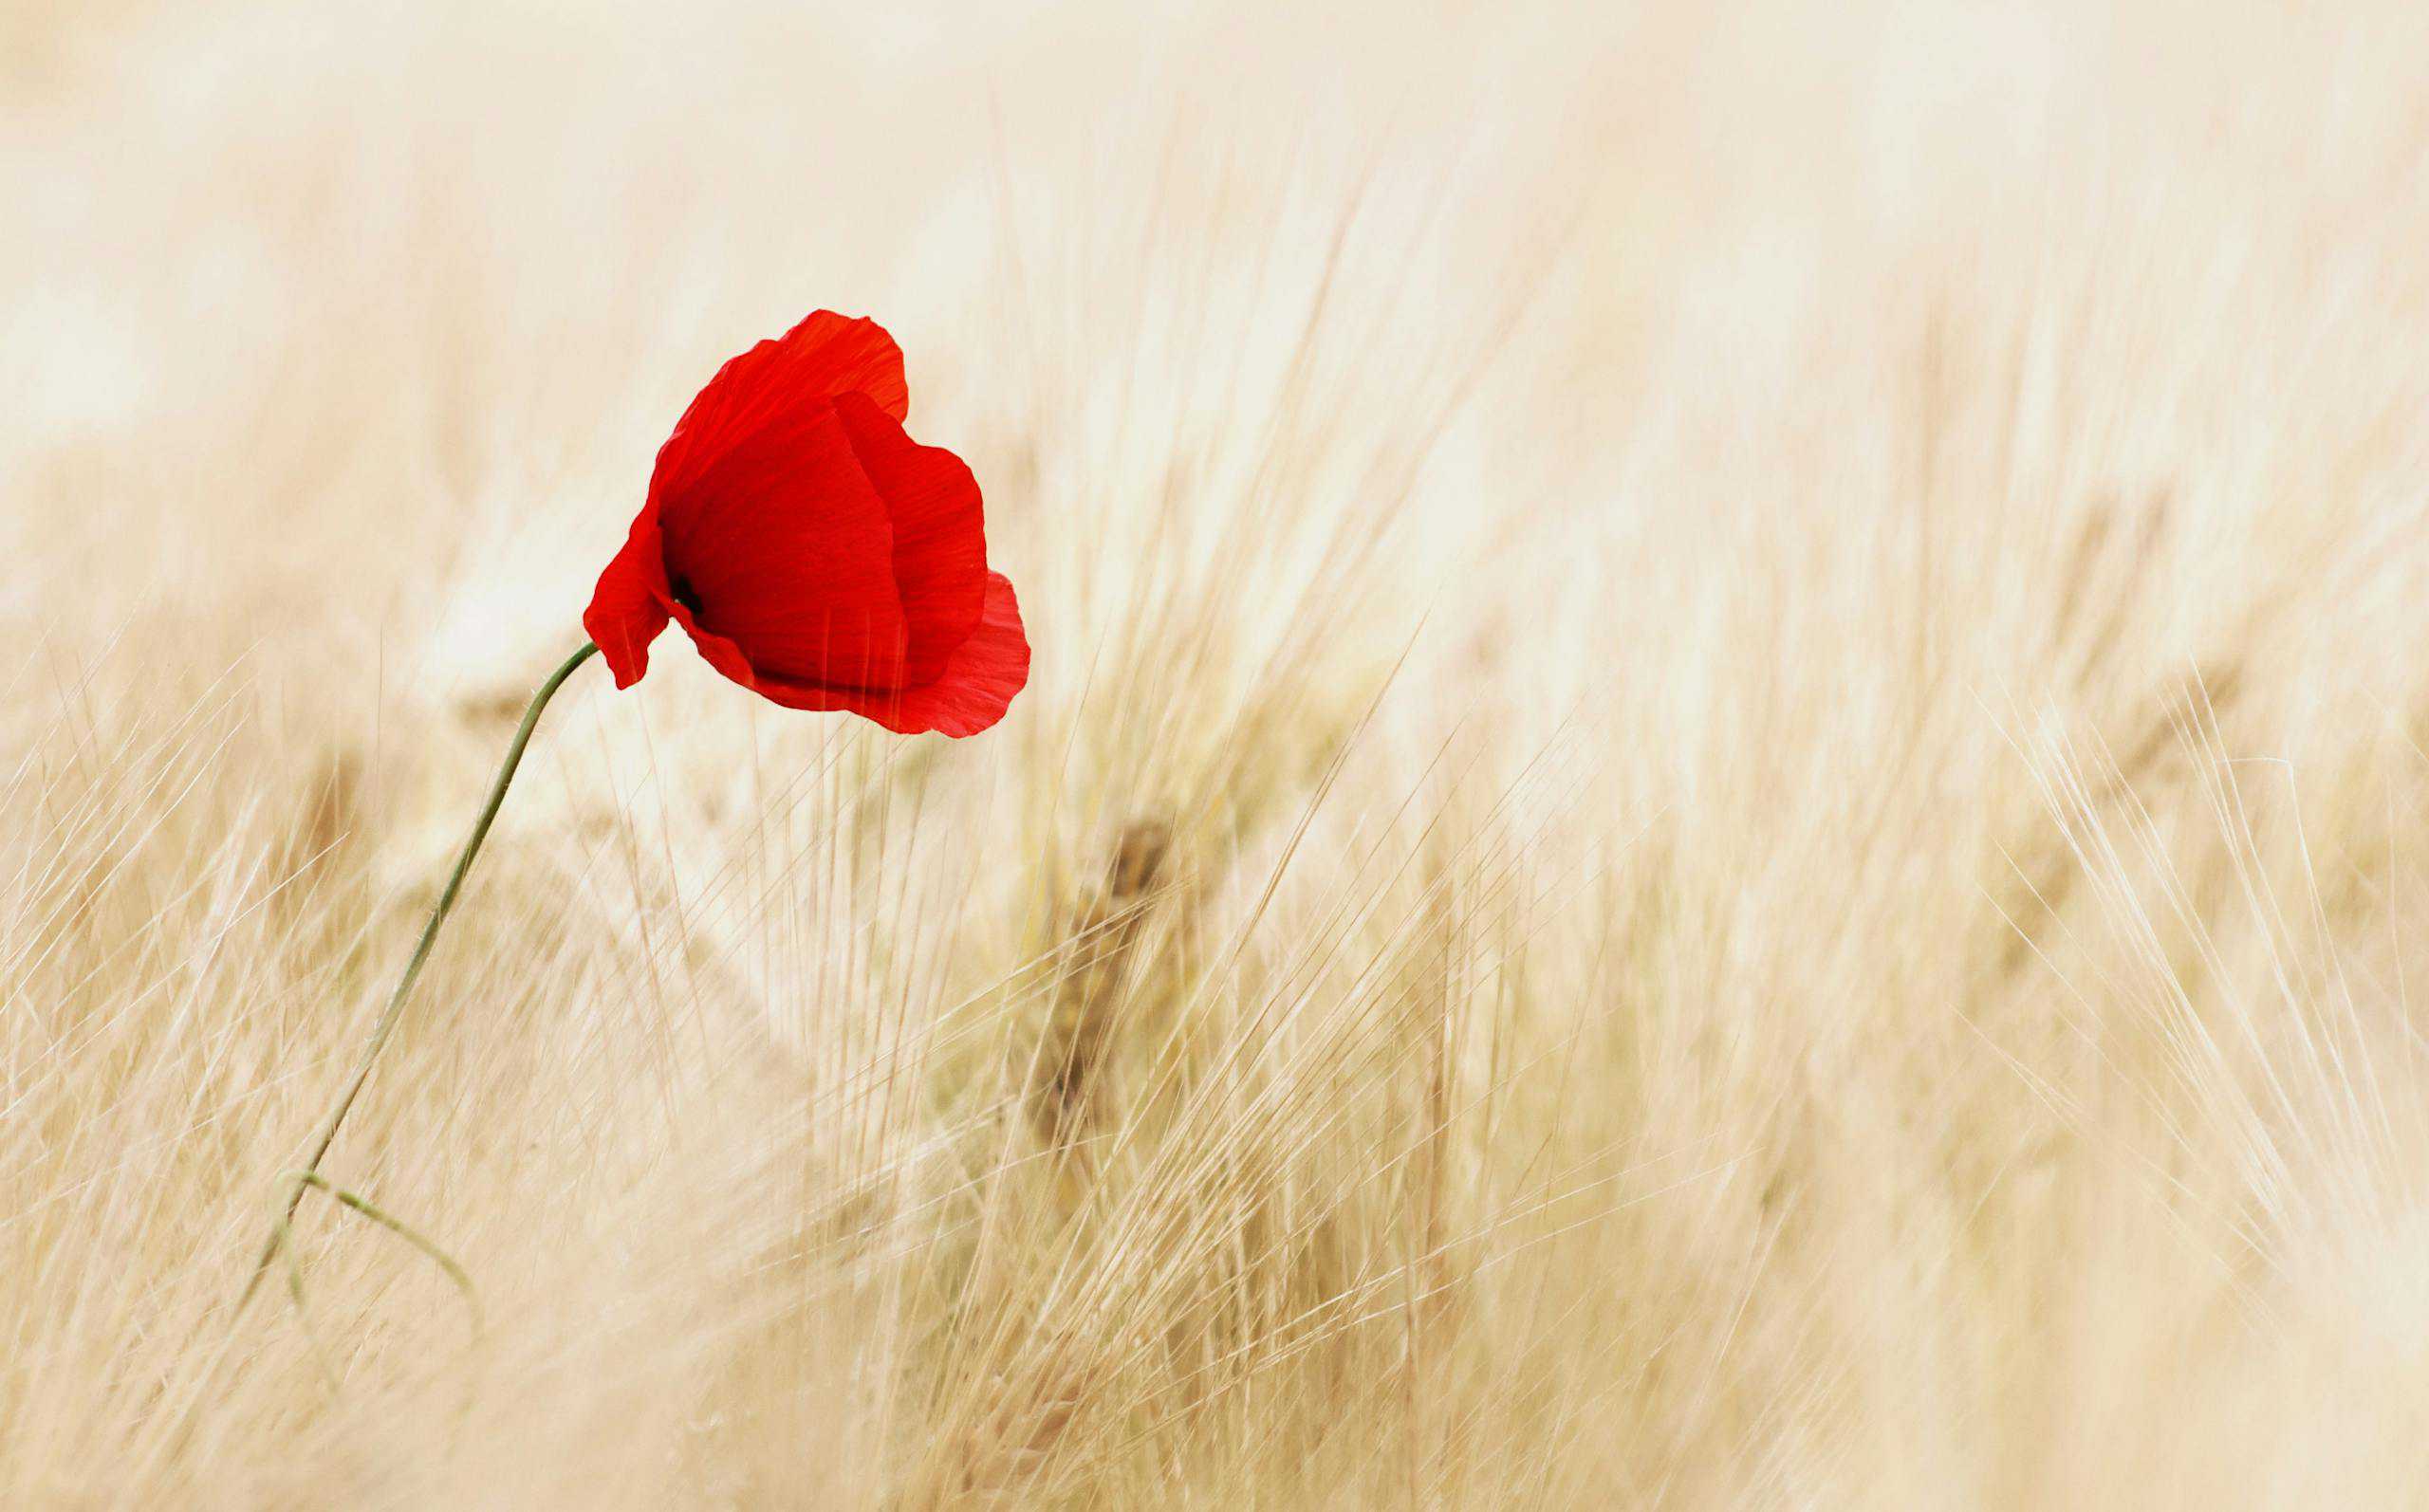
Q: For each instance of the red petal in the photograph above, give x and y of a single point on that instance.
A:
(939, 534)
(977, 684)
(782, 547)
(718, 652)
(825, 354)
(979, 680)
(628, 608)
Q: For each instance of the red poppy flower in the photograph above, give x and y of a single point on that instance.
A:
(815, 553)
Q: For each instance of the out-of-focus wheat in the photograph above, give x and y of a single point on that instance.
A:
(1723, 806)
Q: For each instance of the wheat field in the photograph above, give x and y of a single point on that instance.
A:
(1723, 805)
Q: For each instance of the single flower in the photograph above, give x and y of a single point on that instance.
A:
(814, 552)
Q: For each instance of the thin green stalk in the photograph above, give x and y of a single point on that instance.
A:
(301, 1180)
(309, 1174)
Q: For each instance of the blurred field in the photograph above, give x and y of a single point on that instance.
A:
(1725, 804)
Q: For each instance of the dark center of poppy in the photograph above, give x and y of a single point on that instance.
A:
(685, 594)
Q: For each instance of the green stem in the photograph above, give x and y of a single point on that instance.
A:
(445, 1262)
(387, 1026)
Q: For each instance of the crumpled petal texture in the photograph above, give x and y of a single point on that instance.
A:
(814, 552)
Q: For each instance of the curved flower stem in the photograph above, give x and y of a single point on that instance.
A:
(309, 1174)
(445, 1262)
